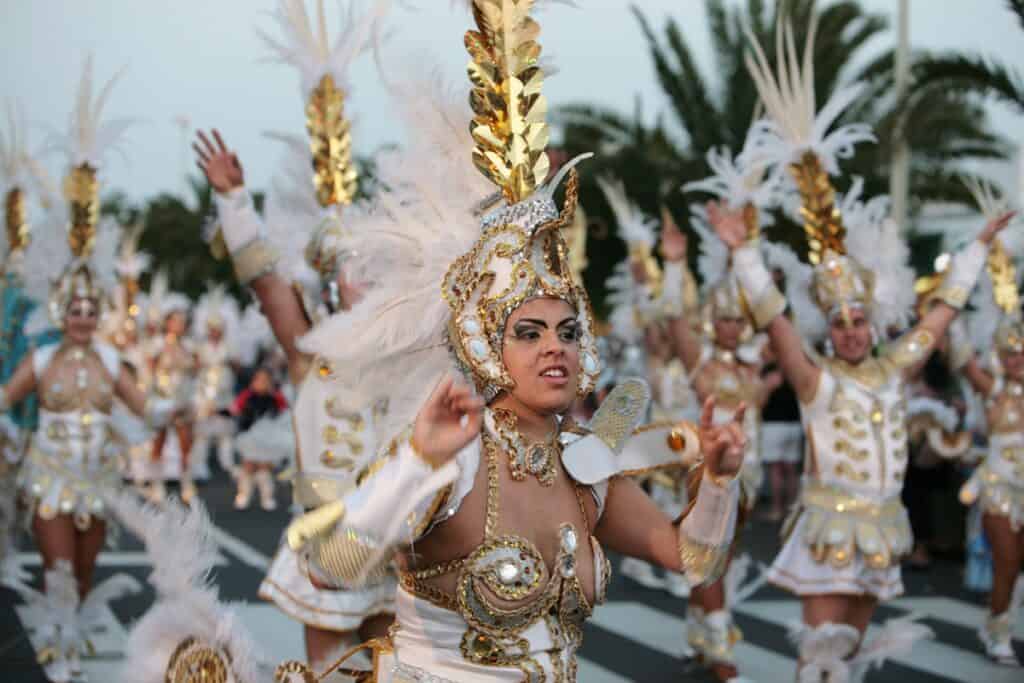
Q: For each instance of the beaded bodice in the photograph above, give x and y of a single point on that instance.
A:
(505, 587)
(76, 380)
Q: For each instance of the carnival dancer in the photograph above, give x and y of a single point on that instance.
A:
(72, 463)
(215, 331)
(497, 457)
(997, 484)
(305, 228)
(722, 362)
(843, 542)
(172, 365)
(258, 409)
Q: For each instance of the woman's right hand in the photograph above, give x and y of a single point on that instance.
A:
(729, 225)
(218, 163)
(673, 242)
(447, 422)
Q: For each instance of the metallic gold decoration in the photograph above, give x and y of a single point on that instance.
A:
(284, 672)
(330, 142)
(823, 223)
(315, 523)
(16, 220)
(1004, 278)
(196, 662)
(509, 110)
(82, 191)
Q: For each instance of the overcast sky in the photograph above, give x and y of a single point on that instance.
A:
(202, 59)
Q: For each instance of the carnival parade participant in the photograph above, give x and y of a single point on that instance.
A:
(497, 455)
(844, 541)
(298, 249)
(260, 402)
(72, 464)
(997, 484)
(722, 362)
(172, 363)
(215, 331)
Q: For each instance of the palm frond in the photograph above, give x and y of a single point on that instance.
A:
(970, 74)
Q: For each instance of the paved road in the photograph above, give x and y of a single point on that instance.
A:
(637, 636)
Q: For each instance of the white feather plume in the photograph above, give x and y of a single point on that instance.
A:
(181, 547)
(307, 47)
(634, 227)
(740, 180)
(90, 137)
(789, 99)
(217, 302)
(894, 639)
(254, 335)
(713, 259)
(621, 298)
(393, 342)
(131, 261)
(18, 166)
(875, 241)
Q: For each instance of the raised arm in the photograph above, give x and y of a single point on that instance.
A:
(21, 384)
(767, 303)
(686, 344)
(699, 543)
(244, 235)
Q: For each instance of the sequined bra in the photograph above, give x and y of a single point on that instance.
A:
(508, 569)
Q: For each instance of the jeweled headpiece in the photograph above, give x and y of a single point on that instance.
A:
(520, 253)
(323, 70)
(868, 269)
(19, 172)
(89, 139)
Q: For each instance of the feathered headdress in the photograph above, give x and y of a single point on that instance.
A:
(323, 68)
(996, 320)
(797, 136)
(86, 144)
(216, 309)
(20, 173)
(425, 213)
(635, 229)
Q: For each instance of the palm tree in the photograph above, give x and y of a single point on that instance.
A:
(716, 109)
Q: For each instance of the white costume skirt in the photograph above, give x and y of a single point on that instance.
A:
(287, 585)
(781, 442)
(795, 570)
(427, 649)
(270, 441)
(51, 485)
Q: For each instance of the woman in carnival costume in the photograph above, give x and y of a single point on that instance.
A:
(725, 360)
(215, 332)
(845, 538)
(72, 464)
(497, 505)
(638, 333)
(997, 484)
(300, 245)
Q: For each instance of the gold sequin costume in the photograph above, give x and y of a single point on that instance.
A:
(73, 463)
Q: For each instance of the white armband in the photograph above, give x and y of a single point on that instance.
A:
(963, 275)
(707, 531)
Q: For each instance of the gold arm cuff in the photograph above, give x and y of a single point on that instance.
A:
(954, 295)
(254, 260)
(701, 563)
(313, 524)
(771, 305)
(345, 554)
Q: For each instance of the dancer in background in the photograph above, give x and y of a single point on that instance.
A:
(844, 542)
(260, 402)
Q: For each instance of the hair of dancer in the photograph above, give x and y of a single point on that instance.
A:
(724, 359)
(475, 325)
(297, 249)
(71, 465)
(996, 373)
(843, 543)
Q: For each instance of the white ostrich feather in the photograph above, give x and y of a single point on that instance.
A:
(894, 639)
(942, 413)
(989, 197)
(254, 335)
(789, 99)
(875, 241)
(713, 259)
(18, 166)
(307, 47)
(131, 262)
(634, 227)
(180, 544)
(394, 340)
(741, 180)
(622, 298)
(90, 138)
(174, 302)
(46, 254)
(154, 300)
(217, 301)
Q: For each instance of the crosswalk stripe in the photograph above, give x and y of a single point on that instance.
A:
(106, 558)
(240, 549)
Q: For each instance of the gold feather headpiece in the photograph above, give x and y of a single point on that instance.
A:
(796, 136)
(521, 253)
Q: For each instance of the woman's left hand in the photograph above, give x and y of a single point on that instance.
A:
(722, 446)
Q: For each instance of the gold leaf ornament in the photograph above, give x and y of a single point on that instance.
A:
(82, 190)
(16, 220)
(509, 110)
(823, 223)
(330, 142)
(1004, 278)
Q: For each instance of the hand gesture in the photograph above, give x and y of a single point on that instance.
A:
(447, 422)
(729, 225)
(722, 446)
(994, 226)
(673, 242)
(218, 163)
